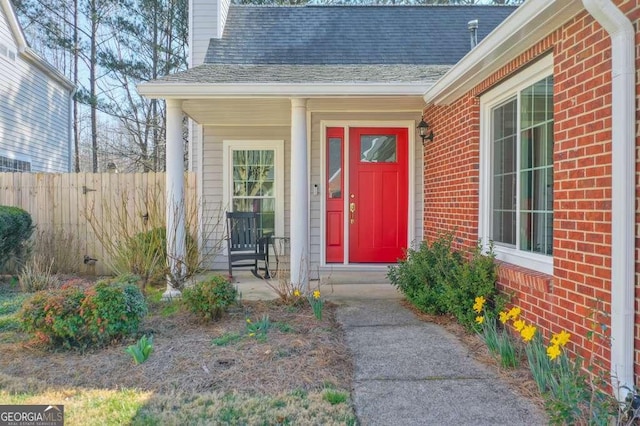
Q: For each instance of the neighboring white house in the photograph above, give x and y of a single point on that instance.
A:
(35, 111)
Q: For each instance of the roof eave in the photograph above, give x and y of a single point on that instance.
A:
(30, 55)
(278, 90)
(526, 26)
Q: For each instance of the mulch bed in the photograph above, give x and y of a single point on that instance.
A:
(309, 356)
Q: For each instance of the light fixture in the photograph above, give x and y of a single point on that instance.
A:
(425, 133)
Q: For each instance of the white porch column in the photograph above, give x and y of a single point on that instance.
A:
(176, 235)
(299, 195)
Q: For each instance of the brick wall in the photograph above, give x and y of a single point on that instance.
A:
(581, 285)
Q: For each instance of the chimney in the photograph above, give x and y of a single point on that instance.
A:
(473, 32)
(206, 21)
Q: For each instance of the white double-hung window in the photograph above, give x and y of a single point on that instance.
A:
(516, 157)
(254, 181)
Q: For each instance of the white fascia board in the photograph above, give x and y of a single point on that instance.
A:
(200, 91)
(531, 22)
(12, 19)
(28, 53)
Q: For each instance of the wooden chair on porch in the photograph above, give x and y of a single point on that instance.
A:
(245, 244)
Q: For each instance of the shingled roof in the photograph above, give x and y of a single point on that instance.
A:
(322, 35)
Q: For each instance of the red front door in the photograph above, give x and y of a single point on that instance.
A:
(377, 199)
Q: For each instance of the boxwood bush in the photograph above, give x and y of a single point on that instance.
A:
(81, 317)
(15, 230)
(440, 280)
(210, 298)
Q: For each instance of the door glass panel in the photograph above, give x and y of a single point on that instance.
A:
(378, 149)
(335, 168)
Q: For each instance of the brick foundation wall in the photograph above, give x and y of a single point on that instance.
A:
(580, 288)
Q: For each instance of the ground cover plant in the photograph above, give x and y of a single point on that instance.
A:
(199, 372)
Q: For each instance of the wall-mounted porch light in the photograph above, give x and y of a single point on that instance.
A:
(425, 133)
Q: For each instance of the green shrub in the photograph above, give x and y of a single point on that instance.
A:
(425, 273)
(15, 230)
(82, 317)
(440, 280)
(475, 274)
(210, 298)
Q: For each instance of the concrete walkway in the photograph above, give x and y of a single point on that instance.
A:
(408, 372)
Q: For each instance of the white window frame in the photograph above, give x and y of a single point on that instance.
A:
(489, 100)
(228, 146)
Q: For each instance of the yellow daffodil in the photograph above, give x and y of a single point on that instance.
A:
(316, 294)
(519, 325)
(528, 332)
(296, 293)
(561, 338)
(514, 313)
(248, 321)
(553, 352)
(479, 304)
(504, 317)
(252, 334)
(480, 319)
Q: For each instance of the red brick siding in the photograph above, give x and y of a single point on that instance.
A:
(581, 285)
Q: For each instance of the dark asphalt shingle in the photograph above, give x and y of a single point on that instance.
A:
(418, 35)
(301, 74)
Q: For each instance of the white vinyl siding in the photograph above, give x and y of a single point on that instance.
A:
(213, 176)
(207, 23)
(212, 173)
(34, 112)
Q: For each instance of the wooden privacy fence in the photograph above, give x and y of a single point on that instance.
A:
(74, 207)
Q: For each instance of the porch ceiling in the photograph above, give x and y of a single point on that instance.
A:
(277, 111)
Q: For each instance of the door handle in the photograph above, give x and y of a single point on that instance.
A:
(352, 211)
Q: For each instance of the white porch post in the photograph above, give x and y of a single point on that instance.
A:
(299, 195)
(176, 235)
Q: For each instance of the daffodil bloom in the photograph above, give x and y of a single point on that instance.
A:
(561, 338)
(316, 294)
(252, 334)
(480, 301)
(514, 313)
(528, 332)
(296, 293)
(504, 317)
(553, 352)
(480, 319)
(519, 325)
(248, 321)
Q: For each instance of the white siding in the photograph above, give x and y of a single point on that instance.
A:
(34, 112)
(212, 178)
(207, 21)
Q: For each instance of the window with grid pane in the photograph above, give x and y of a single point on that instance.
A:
(253, 186)
(522, 169)
(12, 165)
